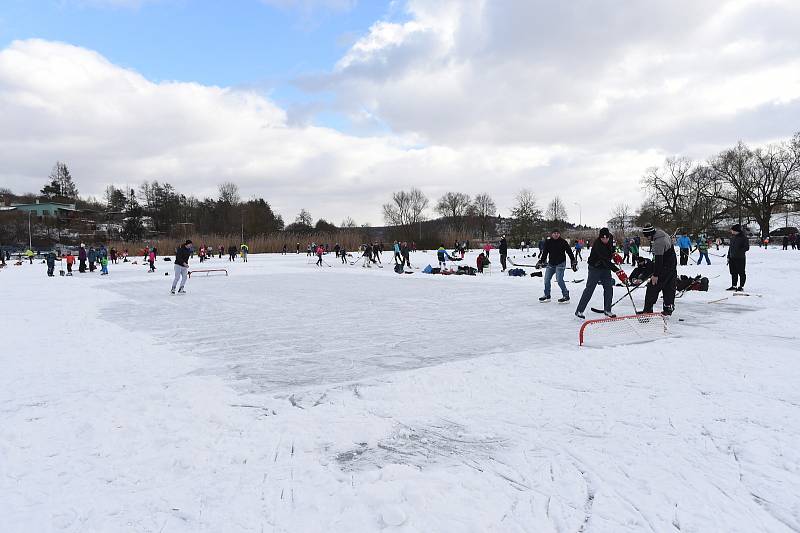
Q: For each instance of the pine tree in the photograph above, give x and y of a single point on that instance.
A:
(132, 227)
(61, 185)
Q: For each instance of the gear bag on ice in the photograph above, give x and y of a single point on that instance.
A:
(516, 272)
(697, 283)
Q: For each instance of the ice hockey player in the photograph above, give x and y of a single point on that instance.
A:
(665, 270)
(443, 256)
(343, 254)
(376, 253)
(398, 259)
(319, 251)
(51, 263)
(737, 259)
(103, 265)
(702, 247)
(634, 247)
(685, 245)
(232, 253)
(642, 272)
(405, 252)
(600, 267)
(367, 256)
(578, 248)
(151, 258)
(70, 261)
(245, 250)
(503, 248)
(481, 262)
(182, 255)
(554, 256)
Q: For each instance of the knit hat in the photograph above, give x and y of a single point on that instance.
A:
(188, 241)
(648, 230)
(555, 230)
(737, 228)
(605, 233)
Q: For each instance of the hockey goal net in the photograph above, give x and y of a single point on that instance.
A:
(623, 330)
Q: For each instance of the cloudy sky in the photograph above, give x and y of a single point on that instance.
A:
(331, 105)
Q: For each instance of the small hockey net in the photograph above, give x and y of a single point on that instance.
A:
(623, 330)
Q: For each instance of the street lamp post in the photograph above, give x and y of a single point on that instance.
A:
(580, 213)
(30, 237)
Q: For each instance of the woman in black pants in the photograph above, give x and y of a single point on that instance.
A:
(737, 259)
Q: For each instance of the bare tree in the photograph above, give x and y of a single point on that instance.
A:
(483, 209)
(621, 214)
(348, 222)
(556, 210)
(760, 181)
(406, 209)
(526, 214)
(229, 193)
(454, 206)
(667, 186)
(304, 218)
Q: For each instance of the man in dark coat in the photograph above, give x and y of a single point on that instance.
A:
(736, 258)
(600, 265)
(503, 252)
(665, 270)
(554, 256)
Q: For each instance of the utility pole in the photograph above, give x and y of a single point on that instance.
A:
(30, 237)
(580, 213)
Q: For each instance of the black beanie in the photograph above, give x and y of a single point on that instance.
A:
(605, 233)
(648, 230)
(737, 228)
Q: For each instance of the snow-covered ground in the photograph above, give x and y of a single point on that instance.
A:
(288, 397)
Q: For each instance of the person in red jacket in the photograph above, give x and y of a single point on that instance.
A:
(319, 251)
(70, 261)
(481, 262)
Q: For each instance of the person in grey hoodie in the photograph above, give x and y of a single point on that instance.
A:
(665, 270)
(736, 258)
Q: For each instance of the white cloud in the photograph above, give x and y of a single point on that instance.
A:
(568, 98)
(575, 73)
(112, 125)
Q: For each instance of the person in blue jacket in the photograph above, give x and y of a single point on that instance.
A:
(443, 256)
(92, 258)
(685, 245)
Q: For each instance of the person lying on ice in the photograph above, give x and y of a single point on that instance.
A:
(644, 269)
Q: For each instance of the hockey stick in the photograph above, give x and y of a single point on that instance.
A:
(630, 290)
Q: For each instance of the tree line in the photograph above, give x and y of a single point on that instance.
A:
(738, 183)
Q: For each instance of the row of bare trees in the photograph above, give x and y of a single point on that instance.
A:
(460, 213)
(467, 217)
(738, 183)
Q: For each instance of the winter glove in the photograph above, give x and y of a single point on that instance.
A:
(539, 265)
(622, 276)
(618, 259)
(574, 266)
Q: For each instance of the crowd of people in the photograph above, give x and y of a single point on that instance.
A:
(555, 255)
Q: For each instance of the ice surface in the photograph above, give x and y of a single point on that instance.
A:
(287, 397)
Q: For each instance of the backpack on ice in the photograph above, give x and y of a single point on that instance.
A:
(697, 283)
(516, 272)
(398, 268)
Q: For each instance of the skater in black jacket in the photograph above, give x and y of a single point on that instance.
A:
(554, 256)
(503, 252)
(600, 266)
(644, 269)
(665, 270)
(736, 258)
